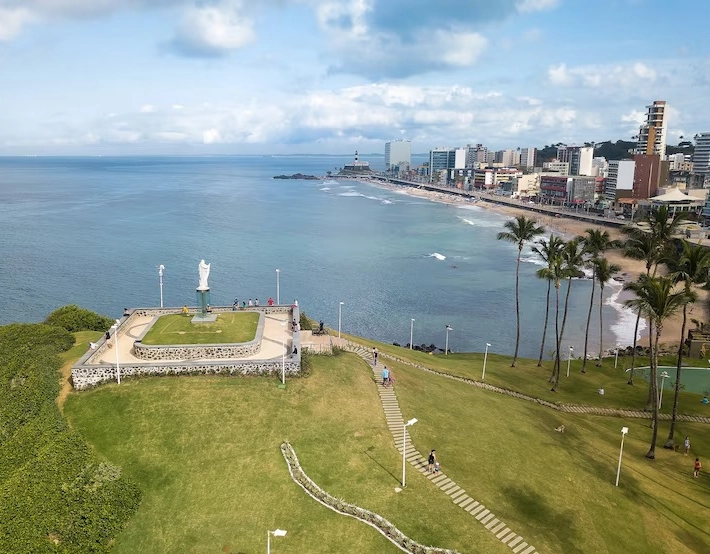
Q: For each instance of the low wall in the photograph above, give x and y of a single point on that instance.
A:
(156, 352)
(86, 377)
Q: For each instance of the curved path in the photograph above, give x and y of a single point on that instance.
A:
(572, 408)
(458, 496)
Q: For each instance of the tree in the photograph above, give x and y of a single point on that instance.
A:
(573, 258)
(692, 268)
(657, 301)
(596, 242)
(520, 230)
(547, 250)
(604, 272)
(555, 273)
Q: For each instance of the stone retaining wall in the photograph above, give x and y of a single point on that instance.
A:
(86, 377)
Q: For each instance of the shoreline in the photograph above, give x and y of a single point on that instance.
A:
(568, 228)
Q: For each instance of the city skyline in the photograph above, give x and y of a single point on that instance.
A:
(335, 76)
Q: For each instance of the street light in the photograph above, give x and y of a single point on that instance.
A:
(115, 347)
(664, 376)
(340, 317)
(404, 447)
(276, 533)
(283, 353)
(485, 358)
(278, 297)
(411, 333)
(446, 348)
(624, 430)
(616, 357)
(161, 268)
(569, 358)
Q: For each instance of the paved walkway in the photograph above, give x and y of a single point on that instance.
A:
(458, 496)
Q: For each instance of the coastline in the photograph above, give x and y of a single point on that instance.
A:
(568, 228)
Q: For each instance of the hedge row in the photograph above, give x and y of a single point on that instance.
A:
(55, 496)
(73, 319)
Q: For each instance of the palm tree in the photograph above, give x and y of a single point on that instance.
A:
(520, 230)
(604, 272)
(573, 257)
(640, 245)
(555, 273)
(692, 268)
(657, 301)
(595, 243)
(547, 252)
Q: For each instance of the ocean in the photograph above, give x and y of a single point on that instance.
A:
(93, 230)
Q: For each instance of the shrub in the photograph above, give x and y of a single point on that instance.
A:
(305, 323)
(73, 319)
(54, 495)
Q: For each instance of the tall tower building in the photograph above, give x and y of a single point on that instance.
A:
(527, 157)
(398, 152)
(653, 133)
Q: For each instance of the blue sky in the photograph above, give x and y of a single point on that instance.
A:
(332, 76)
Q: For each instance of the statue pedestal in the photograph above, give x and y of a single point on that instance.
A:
(203, 302)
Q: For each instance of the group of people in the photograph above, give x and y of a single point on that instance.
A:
(697, 465)
(249, 304)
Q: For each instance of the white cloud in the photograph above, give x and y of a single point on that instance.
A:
(214, 29)
(147, 108)
(557, 74)
(12, 20)
(610, 77)
(634, 116)
(526, 6)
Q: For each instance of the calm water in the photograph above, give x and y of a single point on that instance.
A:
(92, 231)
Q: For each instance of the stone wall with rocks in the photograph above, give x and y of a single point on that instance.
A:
(86, 377)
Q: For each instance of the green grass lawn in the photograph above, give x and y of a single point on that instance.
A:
(231, 327)
(555, 489)
(526, 377)
(205, 452)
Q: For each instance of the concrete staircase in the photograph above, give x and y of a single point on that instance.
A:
(395, 423)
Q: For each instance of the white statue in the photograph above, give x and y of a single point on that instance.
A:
(204, 270)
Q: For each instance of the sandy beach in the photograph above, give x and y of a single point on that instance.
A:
(568, 228)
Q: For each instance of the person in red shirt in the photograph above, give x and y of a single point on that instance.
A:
(696, 468)
(271, 301)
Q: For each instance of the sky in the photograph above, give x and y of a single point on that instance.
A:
(331, 76)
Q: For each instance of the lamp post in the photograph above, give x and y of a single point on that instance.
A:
(404, 448)
(411, 333)
(624, 430)
(275, 533)
(340, 316)
(446, 348)
(616, 357)
(485, 358)
(283, 353)
(161, 268)
(115, 347)
(664, 376)
(278, 297)
(569, 358)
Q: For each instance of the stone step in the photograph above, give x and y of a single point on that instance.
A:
(500, 529)
(488, 518)
(465, 502)
(482, 514)
(520, 547)
(515, 541)
(528, 550)
(508, 536)
(492, 523)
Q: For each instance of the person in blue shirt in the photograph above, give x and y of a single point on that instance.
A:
(385, 376)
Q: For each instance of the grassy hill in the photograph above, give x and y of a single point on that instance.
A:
(205, 453)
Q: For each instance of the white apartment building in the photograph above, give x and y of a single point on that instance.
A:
(701, 158)
(600, 167)
(579, 159)
(653, 133)
(527, 157)
(398, 152)
(557, 167)
(620, 180)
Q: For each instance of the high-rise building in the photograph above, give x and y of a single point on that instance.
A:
(653, 133)
(701, 157)
(441, 159)
(620, 179)
(527, 157)
(650, 173)
(579, 159)
(397, 152)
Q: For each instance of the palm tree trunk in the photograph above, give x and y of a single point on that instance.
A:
(601, 324)
(517, 306)
(633, 354)
(564, 317)
(589, 319)
(654, 385)
(544, 328)
(557, 338)
(671, 432)
(650, 395)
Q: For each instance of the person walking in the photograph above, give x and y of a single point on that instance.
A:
(250, 303)
(256, 302)
(696, 467)
(686, 445)
(385, 376)
(431, 461)
(271, 301)
(374, 355)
